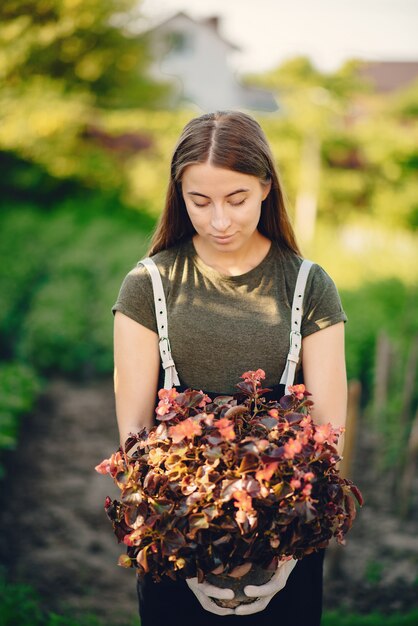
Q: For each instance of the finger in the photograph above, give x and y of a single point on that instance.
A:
(211, 590)
(289, 565)
(261, 591)
(211, 606)
(253, 591)
(275, 584)
(216, 592)
(254, 607)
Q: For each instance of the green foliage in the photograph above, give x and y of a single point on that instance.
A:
(387, 305)
(343, 618)
(81, 45)
(57, 315)
(21, 605)
(374, 571)
(368, 143)
(19, 386)
(53, 106)
(299, 71)
(26, 182)
(375, 271)
(63, 65)
(362, 252)
(390, 307)
(146, 173)
(404, 105)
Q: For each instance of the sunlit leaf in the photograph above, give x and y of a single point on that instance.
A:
(124, 561)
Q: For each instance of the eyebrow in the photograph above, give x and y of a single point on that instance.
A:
(196, 193)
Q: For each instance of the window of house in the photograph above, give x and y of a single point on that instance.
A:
(179, 41)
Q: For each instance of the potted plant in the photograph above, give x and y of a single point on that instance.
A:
(224, 488)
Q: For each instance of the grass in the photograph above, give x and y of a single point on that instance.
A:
(20, 605)
(336, 618)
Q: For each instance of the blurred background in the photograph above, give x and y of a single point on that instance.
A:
(94, 94)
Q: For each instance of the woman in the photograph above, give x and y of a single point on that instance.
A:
(228, 260)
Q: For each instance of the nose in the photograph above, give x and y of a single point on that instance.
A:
(220, 219)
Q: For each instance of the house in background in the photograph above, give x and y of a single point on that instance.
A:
(193, 56)
(389, 76)
(383, 79)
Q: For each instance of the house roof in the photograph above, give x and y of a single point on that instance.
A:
(211, 22)
(387, 76)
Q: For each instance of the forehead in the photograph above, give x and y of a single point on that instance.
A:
(205, 178)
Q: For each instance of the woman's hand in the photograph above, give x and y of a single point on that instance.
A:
(266, 592)
(204, 592)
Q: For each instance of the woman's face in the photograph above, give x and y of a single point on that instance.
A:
(224, 206)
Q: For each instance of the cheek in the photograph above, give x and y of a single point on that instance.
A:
(195, 217)
(251, 215)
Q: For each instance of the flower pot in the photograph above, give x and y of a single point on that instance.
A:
(255, 576)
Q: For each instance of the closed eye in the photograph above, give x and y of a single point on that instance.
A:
(232, 203)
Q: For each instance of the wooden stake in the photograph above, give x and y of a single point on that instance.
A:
(353, 408)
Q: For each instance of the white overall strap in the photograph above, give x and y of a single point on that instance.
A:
(171, 377)
(296, 323)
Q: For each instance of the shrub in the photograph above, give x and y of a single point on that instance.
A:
(19, 386)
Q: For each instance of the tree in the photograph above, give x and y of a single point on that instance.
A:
(347, 150)
(63, 65)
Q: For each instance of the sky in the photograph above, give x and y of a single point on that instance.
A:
(328, 31)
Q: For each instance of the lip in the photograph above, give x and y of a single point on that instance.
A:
(223, 238)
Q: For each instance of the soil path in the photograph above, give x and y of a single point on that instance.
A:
(57, 537)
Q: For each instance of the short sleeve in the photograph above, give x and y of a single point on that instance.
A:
(136, 299)
(322, 302)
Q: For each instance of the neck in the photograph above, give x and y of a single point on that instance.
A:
(235, 262)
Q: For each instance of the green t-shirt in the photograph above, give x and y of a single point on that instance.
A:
(221, 326)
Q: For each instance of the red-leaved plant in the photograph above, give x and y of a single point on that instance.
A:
(225, 482)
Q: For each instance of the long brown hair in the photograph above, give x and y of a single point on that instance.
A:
(231, 140)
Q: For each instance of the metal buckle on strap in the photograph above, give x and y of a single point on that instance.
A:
(168, 342)
(294, 334)
(165, 350)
